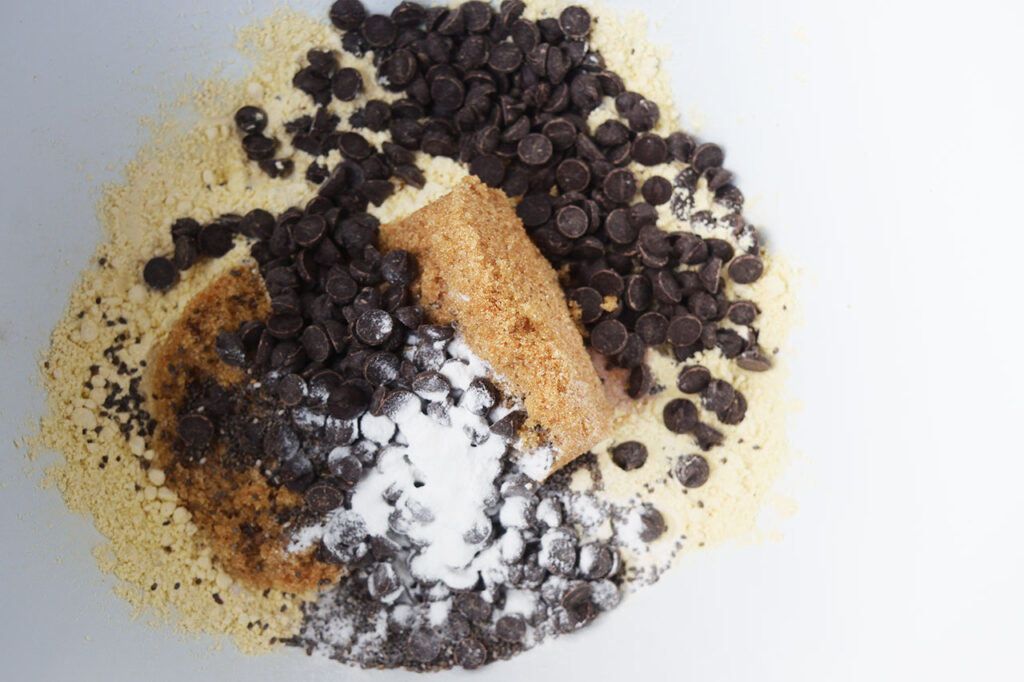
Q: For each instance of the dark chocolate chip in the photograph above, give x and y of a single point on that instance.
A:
(649, 149)
(680, 146)
(707, 436)
(561, 132)
(284, 325)
(398, 267)
(160, 273)
(323, 496)
(609, 337)
(316, 344)
(341, 287)
(291, 389)
(707, 155)
(640, 382)
(608, 282)
(535, 149)
(470, 653)
(572, 221)
(574, 21)
(346, 470)
(652, 328)
(374, 327)
(230, 349)
(680, 415)
(652, 523)
(309, 230)
(423, 645)
(629, 455)
(473, 606)
(735, 412)
(589, 301)
(347, 14)
(730, 343)
(508, 426)
(639, 294)
(718, 395)
(511, 628)
(379, 31)
(505, 57)
(683, 330)
(754, 360)
(746, 269)
(619, 228)
(620, 185)
(250, 119)
(710, 273)
(534, 209)
(720, 249)
(572, 175)
(258, 146)
(656, 190)
(693, 379)
(643, 116)
(703, 305)
(691, 470)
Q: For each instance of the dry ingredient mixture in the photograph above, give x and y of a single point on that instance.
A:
(282, 444)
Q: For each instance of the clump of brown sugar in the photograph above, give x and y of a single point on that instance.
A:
(479, 267)
(237, 510)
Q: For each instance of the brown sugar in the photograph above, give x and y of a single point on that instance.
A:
(236, 509)
(479, 267)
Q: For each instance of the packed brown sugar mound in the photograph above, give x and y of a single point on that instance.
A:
(238, 512)
(479, 267)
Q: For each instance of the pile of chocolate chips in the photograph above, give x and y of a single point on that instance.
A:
(510, 98)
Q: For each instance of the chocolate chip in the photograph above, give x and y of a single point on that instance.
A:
(754, 360)
(347, 84)
(316, 344)
(473, 606)
(707, 437)
(423, 645)
(611, 133)
(398, 267)
(561, 132)
(656, 190)
(703, 305)
(629, 455)
(572, 221)
(511, 628)
(720, 249)
(340, 287)
(379, 31)
(257, 146)
(650, 149)
(638, 294)
(680, 415)
(347, 14)
(652, 523)
(346, 469)
(215, 240)
(572, 175)
(309, 230)
(250, 119)
(608, 282)
(598, 562)
(508, 426)
(619, 228)
(196, 430)
(230, 349)
(323, 496)
(470, 653)
(736, 411)
(535, 149)
(718, 395)
(746, 269)
(652, 328)
(640, 382)
(707, 155)
(710, 273)
(574, 21)
(489, 168)
(374, 327)
(589, 301)
(284, 325)
(291, 389)
(742, 312)
(693, 379)
(691, 470)
(643, 116)
(691, 249)
(160, 273)
(436, 332)
(620, 185)
(683, 330)
(505, 57)
(680, 146)
(577, 604)
(730, 343)
(186, 252)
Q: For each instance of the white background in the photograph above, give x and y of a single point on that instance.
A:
(879, 145)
